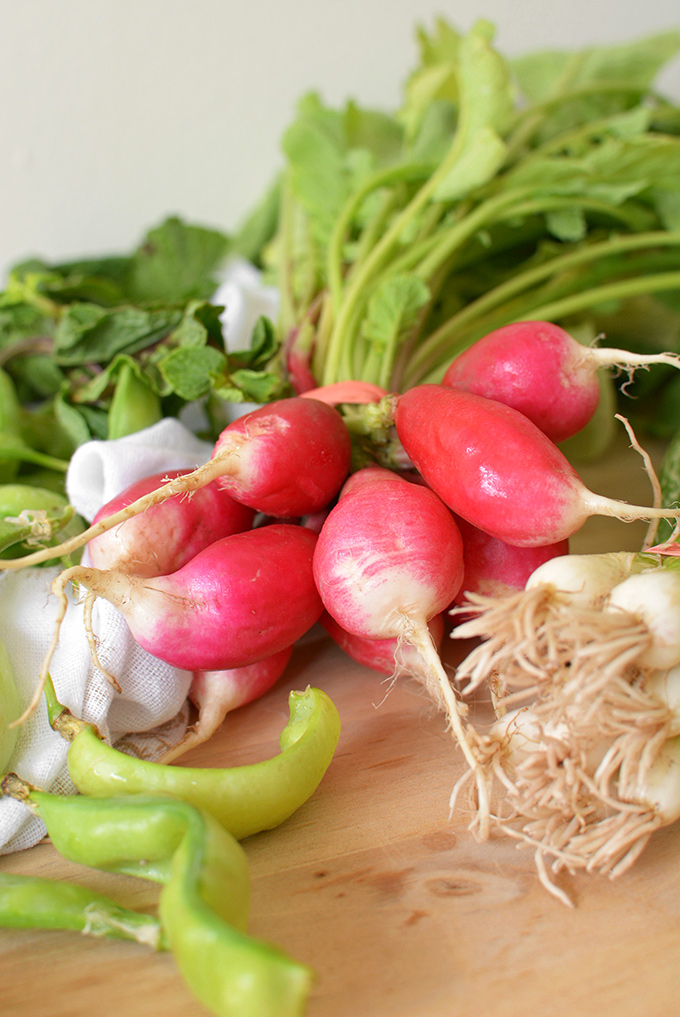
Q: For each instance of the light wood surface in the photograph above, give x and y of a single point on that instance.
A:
(397, 908)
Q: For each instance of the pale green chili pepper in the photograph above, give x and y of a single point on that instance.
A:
(205, 900)
(30, 517)
(34, 902)
(10, 709)
(245, 799)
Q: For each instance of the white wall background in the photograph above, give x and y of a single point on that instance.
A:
(116, 113)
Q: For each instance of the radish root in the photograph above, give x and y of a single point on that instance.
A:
(571, 790)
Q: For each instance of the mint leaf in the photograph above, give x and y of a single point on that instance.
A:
(200, 324)
(175, 263)
(264, 345)
(87, 333)
(189, 370)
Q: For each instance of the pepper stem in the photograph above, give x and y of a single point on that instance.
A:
(60, 717)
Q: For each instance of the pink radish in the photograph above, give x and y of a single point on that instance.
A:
(384, 655)
(389, 557)
(388, 560)
(491, 465)
(244, 598)
(286, 459)
(539, 369)
(217, 693)
(168, 535)
(492, 566)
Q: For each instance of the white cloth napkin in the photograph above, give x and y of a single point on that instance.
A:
(152, 703)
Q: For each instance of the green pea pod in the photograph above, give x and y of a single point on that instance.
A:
(10, 709)
(33, 902)
(205, 899)
(245, 799)
(134, 405)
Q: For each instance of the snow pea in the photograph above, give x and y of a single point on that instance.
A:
(35, 902)
(204, 902)
(245, 799)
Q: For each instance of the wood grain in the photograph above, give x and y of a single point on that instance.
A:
(392, 902)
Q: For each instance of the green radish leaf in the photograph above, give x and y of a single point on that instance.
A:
(547, 73)
(486, 102)
(567, 224)
(393, 309)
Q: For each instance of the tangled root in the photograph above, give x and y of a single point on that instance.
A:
(566, 765)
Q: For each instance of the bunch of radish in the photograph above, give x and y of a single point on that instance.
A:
(379, 557)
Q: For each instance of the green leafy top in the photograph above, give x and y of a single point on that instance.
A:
(101, 346)
(500, 188)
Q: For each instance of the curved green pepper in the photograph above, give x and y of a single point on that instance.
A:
(34, 902)
(33, 515)
(10, 709)
(205, 899)
(245, 799)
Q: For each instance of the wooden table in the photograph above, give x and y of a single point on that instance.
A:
(397, 908)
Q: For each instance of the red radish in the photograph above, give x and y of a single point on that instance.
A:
(384, 655)
(346, 392)
(540, 370)
(242, 599)
(388, 560)
(217, 693)
(492, 566)
(367, 475)
(298, 350)
(491, 465)
(166, 536)
(286, 459)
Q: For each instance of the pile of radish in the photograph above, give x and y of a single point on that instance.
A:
(222, 570)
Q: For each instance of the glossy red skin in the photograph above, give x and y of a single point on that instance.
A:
(377, 654)
(491, 465)
(244, 598)
(535, 367)
(293, 456)
(490, 565)
(388, 550)
(165, 537)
